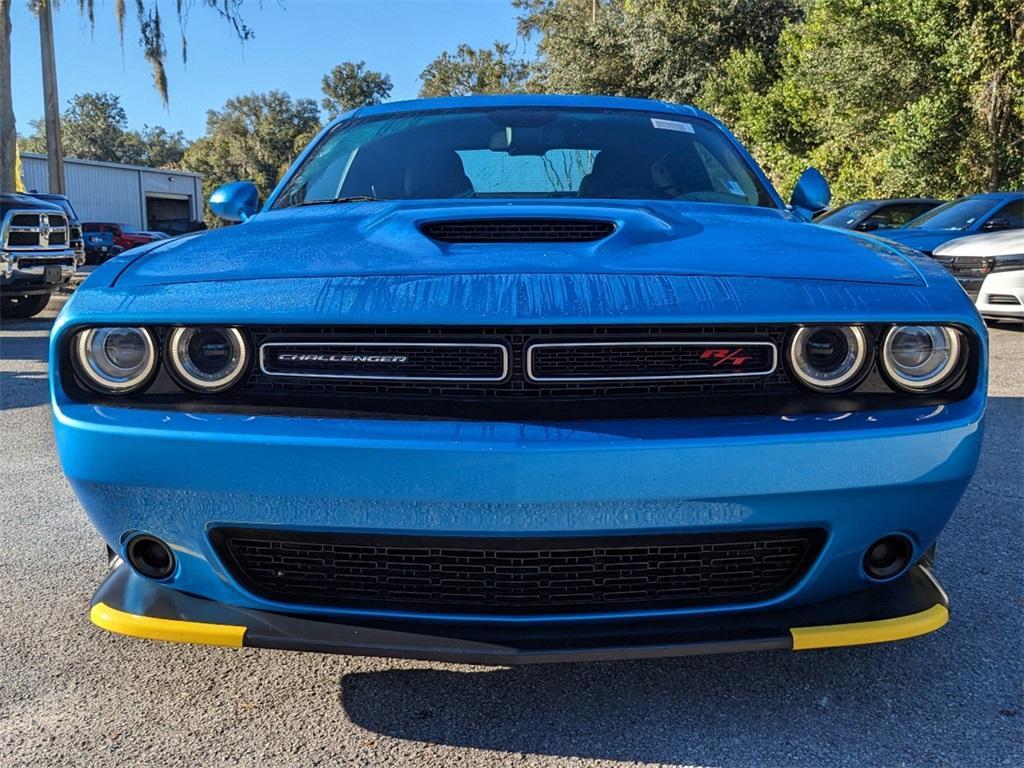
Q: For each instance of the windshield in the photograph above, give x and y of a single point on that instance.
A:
(955, 216)
(525, 152)
(846, 216)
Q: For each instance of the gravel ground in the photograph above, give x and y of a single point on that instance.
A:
(71, 694)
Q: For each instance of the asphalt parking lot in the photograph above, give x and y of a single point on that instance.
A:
(71, 694)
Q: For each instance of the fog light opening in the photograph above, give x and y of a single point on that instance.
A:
(888, 557)
(150, 557)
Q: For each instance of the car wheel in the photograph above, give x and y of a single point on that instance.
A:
(23, 307)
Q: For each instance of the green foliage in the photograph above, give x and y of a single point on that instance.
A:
(663, 49)
(252, 137)
(94, 127)
(887, 97)
(350, 85)
(475, 70)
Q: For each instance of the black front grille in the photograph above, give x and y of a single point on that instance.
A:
(966, 266)
(519, 230)
(640, 360)
(1002, 298)
(517, 575)
(514, 395)
(387, 361)
(45, 261)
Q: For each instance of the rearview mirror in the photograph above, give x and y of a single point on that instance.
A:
(810, 194)
(236, 201)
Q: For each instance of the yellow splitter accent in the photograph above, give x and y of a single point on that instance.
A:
(864, 632)
(804, 638)
(173, 630)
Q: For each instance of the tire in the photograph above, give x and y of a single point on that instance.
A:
(23, 307)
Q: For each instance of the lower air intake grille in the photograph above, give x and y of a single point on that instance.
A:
(516, 576)
(517, 230)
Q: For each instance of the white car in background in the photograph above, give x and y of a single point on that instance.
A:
(990, 268)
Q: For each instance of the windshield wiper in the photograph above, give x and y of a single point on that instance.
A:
(349, 199)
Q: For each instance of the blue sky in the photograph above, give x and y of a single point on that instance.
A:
(296, 43)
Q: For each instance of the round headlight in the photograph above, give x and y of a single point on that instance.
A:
(207, 359)
(919, 358)
(829, 358)
(115, 360)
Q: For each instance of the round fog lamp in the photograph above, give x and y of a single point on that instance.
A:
(207, 359)
(115, 360)
(919, 358)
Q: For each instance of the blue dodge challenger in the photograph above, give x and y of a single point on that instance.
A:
(520, 379)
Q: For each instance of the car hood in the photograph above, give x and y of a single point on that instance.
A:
(383, 238)
(1008, 243)
(922, 239)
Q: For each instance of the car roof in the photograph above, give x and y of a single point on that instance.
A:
(524, 100)
(994, 195)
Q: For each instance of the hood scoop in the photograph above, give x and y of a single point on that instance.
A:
(517, 230)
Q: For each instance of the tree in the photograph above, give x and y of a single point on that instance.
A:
(350, 85)
(94, 127)
(654, 49)
(252, 137)
(151, 39)
(475, 70)
(155, 147)
(887, 98)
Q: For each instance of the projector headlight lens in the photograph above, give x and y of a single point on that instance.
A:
(829, 358)
(919, 358)
(207, 359)
(115, 360)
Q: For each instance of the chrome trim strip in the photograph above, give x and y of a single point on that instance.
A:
(678, 377)
(382, 377)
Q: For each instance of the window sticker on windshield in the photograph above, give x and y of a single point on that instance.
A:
(671, 125)
(734, 186)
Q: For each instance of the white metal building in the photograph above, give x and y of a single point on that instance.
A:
(122, 194)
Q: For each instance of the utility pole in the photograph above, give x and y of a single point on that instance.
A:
(51, 104)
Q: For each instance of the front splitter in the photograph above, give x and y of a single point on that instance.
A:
(913, 605)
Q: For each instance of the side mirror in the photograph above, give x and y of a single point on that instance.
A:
(993, 225)
(236, 201)
(810, 194)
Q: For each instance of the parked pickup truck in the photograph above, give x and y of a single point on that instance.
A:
(36, 256)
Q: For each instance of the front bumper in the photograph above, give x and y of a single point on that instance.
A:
(858, 476)
(29, 273)
(999, 291)
(913, 605)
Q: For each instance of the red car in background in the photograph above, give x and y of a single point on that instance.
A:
(125, 236)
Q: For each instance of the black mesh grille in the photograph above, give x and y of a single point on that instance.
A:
(517, 576)
(43, 261)
(515, 395)
(518, 230)
(23, 239)
(387, 361)
(648, 359)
